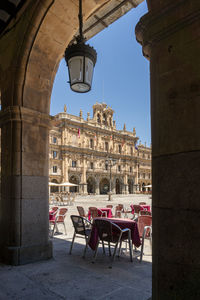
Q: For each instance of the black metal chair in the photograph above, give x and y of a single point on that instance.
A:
(112, 234)
(80, 228)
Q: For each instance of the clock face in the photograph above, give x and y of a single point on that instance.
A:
(80, 87)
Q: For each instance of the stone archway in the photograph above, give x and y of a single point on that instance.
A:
(30, 53)
(104, 186)
(143, 187)
(54, 189)
(91, 185)
(74, 179)
(118, 186)
(130, 186)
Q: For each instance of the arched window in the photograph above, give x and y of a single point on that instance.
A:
(131, 150)
(98, 118)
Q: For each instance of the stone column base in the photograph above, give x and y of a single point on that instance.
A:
(22, 255)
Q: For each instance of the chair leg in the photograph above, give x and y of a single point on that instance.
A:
(104, 252)
(70, 251)
(120, 246)
(109, 249)
(130, 246)
(95, 253)
(54, 226)
(65, 228)
(142, 246)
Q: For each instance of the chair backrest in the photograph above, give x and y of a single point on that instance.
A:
(81, 211)
(53, 212)
(142, 222)
(54, 208)
(142, 203)
(144, 213)
(78, 223)
(107, 231)
(137, 208)
(118, 211)
(61, 215)
(109, 206)
(93, 212)
(120, 206)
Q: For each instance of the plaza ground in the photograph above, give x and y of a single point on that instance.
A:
(72, 277)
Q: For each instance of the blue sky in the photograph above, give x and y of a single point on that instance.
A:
(121, 78)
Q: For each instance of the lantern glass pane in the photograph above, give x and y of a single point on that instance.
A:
(75, 65)
(80, 87)
(88, 70)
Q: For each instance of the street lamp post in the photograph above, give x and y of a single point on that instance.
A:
(110, 162)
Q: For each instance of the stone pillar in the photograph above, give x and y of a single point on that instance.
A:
(113, 185)
(66, 165)
(24, 205)
(97, 191)
(126, 181)
(170, 36)
(83, 177)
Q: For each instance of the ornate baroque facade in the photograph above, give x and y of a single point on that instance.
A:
(90, 152)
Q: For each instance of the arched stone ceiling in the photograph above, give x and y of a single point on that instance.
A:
(37, 40)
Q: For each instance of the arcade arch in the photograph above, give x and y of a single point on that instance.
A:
(118, 186)
(91, 185)
(74, 179)
(54, 189)
(130, 186)
(104, 186)
(30, 54)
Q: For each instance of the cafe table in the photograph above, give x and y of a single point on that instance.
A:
(122, 223)
(107, 210)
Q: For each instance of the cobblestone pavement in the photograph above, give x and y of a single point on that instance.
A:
(72, 277)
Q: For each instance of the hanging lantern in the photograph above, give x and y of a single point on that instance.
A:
(80, 59)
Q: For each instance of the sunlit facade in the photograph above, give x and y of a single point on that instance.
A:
(79, 150)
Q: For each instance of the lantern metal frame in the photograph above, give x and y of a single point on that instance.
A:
(80, 49)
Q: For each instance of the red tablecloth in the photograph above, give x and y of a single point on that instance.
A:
(143, 207)
(122, 223)
(106, 209)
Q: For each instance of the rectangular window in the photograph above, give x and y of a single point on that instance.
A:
(106, 146)
(54, 169)
(73, 164)
(91, 165)
(91, 143)
(144, 175)
(54, 154)
(120, 148)
(119, 168)
(131, 169)
(54, 140)
(106, 166)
